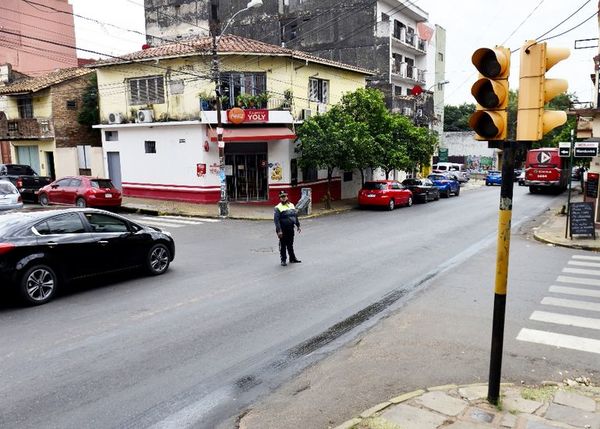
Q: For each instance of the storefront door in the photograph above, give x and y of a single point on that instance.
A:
(248, 178)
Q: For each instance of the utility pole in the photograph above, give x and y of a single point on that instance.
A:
(214, 30)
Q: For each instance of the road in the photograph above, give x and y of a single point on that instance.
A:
(227, 325)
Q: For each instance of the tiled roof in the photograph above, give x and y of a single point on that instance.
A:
(228, 44)
(33, 84)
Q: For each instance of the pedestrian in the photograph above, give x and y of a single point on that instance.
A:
(285, 220)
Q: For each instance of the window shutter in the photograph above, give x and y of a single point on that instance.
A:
(313, 90)
(325, 92)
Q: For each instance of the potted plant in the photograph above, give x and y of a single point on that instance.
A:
(243, 101)
(206, 100)
(262, 99)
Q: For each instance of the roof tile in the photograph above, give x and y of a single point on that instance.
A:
(33, 84)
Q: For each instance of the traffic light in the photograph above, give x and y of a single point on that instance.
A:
(535, 91)
(491, 92)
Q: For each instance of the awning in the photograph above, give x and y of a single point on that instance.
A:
(253, 134)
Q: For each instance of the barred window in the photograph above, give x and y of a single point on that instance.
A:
(148, 90)
(318, 90)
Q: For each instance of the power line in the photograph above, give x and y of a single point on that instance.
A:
(523, 22)
(563, 21)
(570, 29)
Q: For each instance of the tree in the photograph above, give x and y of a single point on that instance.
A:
(422, 145)
(90, 111)
(456, 118)
(329, 141)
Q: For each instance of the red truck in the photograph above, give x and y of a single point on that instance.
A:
(544, 169)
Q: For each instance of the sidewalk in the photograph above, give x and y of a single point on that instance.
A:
(240, 210)
(571, 404)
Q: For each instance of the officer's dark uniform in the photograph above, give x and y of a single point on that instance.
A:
(285, 220)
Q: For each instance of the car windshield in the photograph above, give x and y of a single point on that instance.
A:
(374, 186)
(7, 188)
(412, 182)
(101, 183)
(437, 177)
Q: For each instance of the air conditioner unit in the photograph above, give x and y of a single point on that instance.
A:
(115, 118)
(321, 108)
(407, 111)
(145, 116)
(306, 113)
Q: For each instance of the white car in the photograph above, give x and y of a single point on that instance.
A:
(10, 198)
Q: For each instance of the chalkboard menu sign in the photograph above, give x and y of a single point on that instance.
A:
(581, 219)
(591, 186)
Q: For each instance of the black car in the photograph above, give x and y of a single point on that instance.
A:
(41, 250)
(423, 189)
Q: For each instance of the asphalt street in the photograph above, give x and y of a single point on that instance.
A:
(226, 326)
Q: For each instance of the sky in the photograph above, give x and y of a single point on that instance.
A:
(469, 25)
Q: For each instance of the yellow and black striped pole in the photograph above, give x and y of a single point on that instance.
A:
(502, 255)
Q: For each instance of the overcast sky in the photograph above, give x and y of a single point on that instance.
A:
(469, 24)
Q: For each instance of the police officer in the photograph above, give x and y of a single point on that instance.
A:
(285, 220)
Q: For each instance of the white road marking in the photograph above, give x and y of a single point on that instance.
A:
(200, 219)
(161, 224)
(559, 340)
(585, 264)
(571, 303)
(578, 280)
(586, 257)
(575, 291)
(163, 219)
(566, 319)
(581, 271)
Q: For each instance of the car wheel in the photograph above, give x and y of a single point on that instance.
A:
(409, 203)
(391, 205)
(487, 184)
(80, 202)
(447, 193)
(158, 260)
(38, 284)
(43, 198)
(436, 196)
(457, 193)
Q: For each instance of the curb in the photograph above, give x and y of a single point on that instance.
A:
(542, 238)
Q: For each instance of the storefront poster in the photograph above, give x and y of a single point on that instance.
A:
(276, 172)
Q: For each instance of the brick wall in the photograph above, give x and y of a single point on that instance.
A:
(67, 99)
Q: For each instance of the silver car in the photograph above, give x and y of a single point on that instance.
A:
(10, 198)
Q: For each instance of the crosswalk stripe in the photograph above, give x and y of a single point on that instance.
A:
(559, 340)
(575, 291)
(584, 264)
(578, 280)
(160, 224)
(169, 221)
(199, 219)
(581, 271)
(586, 257)
(571, 303)
(566, 319)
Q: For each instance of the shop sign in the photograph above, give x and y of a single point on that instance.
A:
(200, 170)
(238, 116)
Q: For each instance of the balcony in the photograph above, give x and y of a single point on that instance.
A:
(408, 74)
(26, 129)
(409, 41)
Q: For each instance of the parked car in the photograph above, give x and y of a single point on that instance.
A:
(446, 184)
(81, 191)
(423, 189)
(10, 198)
(518, 172)
(458, 170)
(40, 250)
(26, 180)
(493, 178)
(521, 178)
(384, 193)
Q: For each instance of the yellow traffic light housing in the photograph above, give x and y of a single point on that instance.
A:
(491, 92)
(535, 91)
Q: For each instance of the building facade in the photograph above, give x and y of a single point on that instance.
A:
(25, 27)
(159, 121)
(39, 124)
(390, 37)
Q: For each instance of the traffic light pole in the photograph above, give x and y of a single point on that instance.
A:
(502, 255)
(570, 180)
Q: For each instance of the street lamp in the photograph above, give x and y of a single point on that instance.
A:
(216, 36)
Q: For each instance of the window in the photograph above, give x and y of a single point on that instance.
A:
(65, 224)
(44, 126)
(13, 127)
(310, 174)
(74, 183)
(71, 105)
(397, 90)
(396, 185)
(148, 90)
(84, 155)
(150, 146)
(440, 56)
(101, 184)
(347, 176)
(7, 188)
(234, 84)
(318, 90)
(106, 223)
(25, 106)
(374, 186)
(111, 136)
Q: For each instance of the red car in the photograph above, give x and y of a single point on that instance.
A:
(81, 191)
(384, 193)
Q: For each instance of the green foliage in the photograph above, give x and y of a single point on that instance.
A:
(456, 118)
(90, 110)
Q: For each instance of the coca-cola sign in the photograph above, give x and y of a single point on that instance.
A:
(249, 115)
